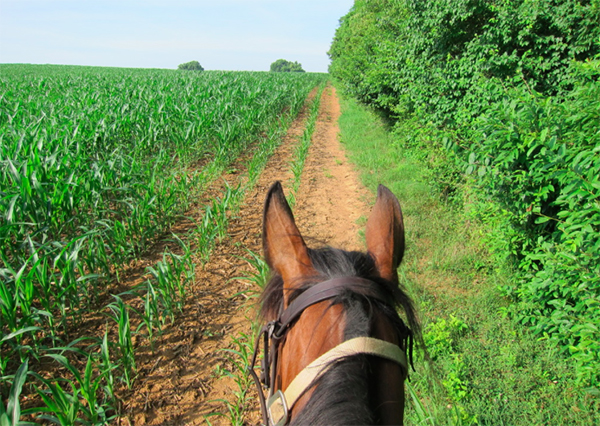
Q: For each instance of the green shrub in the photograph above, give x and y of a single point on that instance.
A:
(412, 56)
(505, 98)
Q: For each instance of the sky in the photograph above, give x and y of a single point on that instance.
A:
(236, 35)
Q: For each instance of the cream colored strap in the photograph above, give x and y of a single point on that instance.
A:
(356, 346)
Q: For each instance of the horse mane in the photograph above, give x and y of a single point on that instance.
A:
(342, 395)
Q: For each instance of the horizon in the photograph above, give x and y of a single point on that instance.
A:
(134, 68)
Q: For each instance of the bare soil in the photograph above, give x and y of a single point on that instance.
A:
(180, 383)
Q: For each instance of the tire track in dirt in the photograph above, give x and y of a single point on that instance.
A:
(179, 384)
(331, 198)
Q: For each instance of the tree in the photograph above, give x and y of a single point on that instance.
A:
(191, 66)
(281, 65)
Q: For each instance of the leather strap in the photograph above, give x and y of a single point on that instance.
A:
(323, 291)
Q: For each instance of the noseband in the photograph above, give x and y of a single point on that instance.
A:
(275, 409)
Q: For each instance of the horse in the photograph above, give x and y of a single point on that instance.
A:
(335, 348)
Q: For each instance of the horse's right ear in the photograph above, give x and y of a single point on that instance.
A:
(283, 246)
(385, 234)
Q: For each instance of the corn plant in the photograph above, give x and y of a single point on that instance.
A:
(215, 220)
(85, 387)
(16, 347)
(204, 235)
(256, 278)
(107, 367)
(61, 406)
(172, 275)
(120, 314)
(301, 152)
(223, 208)
(11, 415)
(95, 165)
(240, 355)
(240, 359)
(84, 397)
(151, 315)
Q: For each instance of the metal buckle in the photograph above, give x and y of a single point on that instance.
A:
(278, 409)
(275, 330)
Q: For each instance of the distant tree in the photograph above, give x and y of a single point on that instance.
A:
(281, 65)
(191, 66)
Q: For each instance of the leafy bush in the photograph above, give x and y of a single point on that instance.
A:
(190, 66)
(507, 93)
(539, 158)
(431, 57)
(281, 65)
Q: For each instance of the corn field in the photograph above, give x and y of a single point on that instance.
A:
(96, 164)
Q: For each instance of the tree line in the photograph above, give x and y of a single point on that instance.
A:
(507, 93)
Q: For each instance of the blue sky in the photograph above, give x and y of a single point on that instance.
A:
(220, 34)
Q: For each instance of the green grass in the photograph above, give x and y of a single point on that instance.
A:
(483, 368)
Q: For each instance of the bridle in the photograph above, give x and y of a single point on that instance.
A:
(276, 407)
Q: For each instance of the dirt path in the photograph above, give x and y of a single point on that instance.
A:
(331, 198)
(182, 381)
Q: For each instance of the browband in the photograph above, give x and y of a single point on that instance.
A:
(323, 291)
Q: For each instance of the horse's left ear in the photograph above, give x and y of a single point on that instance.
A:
(385, 234)
(283, 246)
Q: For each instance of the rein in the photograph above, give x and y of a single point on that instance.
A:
(275, 409)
